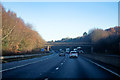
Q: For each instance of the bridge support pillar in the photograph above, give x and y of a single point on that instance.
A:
(48, 48)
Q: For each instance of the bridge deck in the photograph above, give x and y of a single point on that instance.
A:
(69, 44)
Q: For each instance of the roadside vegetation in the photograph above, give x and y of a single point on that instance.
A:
(105, 41)
(18, 37)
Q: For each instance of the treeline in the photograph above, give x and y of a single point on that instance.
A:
(105, 41)
(18, 37)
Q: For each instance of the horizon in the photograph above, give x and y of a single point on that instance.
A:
(57, 20)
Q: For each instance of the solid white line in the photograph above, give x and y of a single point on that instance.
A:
(104, 68)
(21, 65)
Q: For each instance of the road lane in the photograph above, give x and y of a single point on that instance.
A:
(59, 68)
(68, 70)
(79, 68)
(23, 62)
(34, 70)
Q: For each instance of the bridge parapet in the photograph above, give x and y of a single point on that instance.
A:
(69, 44)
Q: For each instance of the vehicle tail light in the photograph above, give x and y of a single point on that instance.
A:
(70, 54)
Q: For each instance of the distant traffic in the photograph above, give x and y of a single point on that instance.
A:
(73, 53)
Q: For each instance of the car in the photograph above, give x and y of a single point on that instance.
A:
(67, 50)
(73, 54)
(62, 54)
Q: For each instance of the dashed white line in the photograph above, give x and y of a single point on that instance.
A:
(57, 68)
(61, 63)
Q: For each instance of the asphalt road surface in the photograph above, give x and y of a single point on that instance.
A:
(54, 67)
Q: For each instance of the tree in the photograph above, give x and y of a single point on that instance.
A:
(19, 37)
(84, 34)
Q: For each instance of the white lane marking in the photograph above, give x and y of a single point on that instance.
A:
(57, 68)
(104, 68)
(61, 63)
(45, 59)
(21, 65)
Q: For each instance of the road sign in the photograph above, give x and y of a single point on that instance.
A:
(42, 49)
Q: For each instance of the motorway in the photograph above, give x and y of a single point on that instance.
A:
(54, 67)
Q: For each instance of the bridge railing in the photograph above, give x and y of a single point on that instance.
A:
(68, 43)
